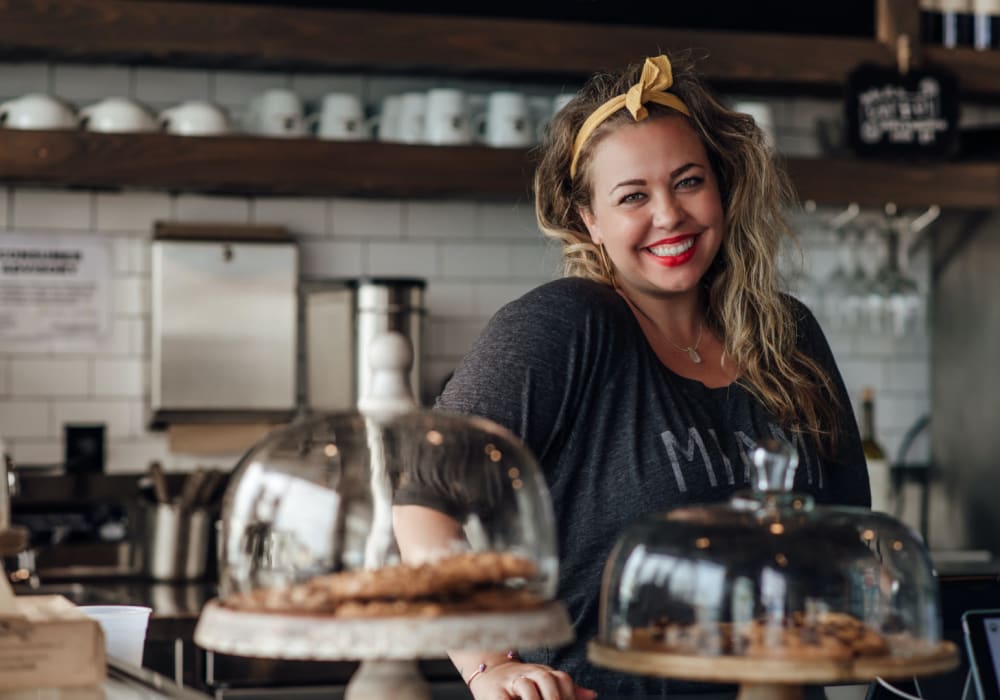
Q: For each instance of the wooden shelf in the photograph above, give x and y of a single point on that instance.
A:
(275, 36)
(261, 166)
(279, 36)
(951, 185)
(291, 167)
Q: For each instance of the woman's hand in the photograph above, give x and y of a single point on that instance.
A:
(514, 680)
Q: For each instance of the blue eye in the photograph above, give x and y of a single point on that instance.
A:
(689, 182)
(631, 197)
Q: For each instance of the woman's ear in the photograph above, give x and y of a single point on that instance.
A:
(591, 223)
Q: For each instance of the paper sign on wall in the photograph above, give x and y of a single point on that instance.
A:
(55, 290)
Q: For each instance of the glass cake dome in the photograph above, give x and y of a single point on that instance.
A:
(770, 575)
(388, 510)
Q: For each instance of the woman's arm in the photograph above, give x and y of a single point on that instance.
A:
(421, 533)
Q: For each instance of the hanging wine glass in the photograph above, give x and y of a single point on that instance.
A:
(876, 309)
(793, 263)
(903, 301)
(833, 290)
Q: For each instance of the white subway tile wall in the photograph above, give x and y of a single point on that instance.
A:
(475, 257)
(22, 78)
(307, 217)
(134, 212)
(53, 211)
(82, 84)
(159, 88)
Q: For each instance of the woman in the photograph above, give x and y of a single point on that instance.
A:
(641, 377)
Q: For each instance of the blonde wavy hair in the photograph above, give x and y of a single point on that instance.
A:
(741, 291)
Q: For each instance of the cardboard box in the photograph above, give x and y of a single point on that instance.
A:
(49, 643)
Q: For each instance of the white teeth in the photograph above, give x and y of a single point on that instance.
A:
(668, 251)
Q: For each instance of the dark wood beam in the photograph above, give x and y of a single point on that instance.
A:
(231, 34)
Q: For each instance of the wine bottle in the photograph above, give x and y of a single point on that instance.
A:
(875, 457)
(986, 24)
(946, 23)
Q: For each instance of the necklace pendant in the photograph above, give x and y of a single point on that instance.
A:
(695, 357)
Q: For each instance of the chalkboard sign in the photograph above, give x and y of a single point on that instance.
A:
(902, 115)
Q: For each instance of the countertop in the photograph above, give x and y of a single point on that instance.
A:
(175, 606)
(964, 583)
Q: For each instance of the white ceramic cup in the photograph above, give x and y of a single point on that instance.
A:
(341, 117)
(387, 120)
(762, 114)
(278, 113)
(124, 628)
(561, 100)
(448, 121)
(412, 114)
(508, 121)
(117, 115)
(195, 118)
(37, 111)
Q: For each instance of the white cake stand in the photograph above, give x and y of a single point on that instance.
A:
(388, 647)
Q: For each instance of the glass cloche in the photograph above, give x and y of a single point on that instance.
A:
(740, 588)
(387, 512)
(324, 497)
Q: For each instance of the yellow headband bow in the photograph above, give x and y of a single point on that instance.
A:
(657, 77)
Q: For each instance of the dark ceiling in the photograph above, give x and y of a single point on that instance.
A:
(838, 18)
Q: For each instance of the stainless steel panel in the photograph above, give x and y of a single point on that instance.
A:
(329, 341)
(223, 326)
(965, 383)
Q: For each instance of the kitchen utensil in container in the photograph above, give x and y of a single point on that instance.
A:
(176, 538)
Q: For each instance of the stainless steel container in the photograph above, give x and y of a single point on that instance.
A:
(388, 304)
(175, 545)
(327, 308)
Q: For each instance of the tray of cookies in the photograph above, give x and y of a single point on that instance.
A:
(467, 600)
(387, 532)
(770, 587)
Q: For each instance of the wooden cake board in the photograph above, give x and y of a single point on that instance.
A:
(774, 679)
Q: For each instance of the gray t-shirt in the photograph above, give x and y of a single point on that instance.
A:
(619, 435)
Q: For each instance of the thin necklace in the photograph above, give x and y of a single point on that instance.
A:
(691, 350)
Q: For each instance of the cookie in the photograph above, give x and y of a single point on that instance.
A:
(468, 581)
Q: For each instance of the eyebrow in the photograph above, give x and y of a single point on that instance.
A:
(640, 181)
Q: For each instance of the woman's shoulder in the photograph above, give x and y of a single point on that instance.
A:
(573, 290)
(565, 300)
(558, 311)
(809, 335)
(806, 324)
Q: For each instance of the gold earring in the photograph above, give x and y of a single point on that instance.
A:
(606, 264)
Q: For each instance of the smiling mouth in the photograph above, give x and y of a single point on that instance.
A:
(672, 250)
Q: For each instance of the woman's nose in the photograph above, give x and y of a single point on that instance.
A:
(668, 213)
